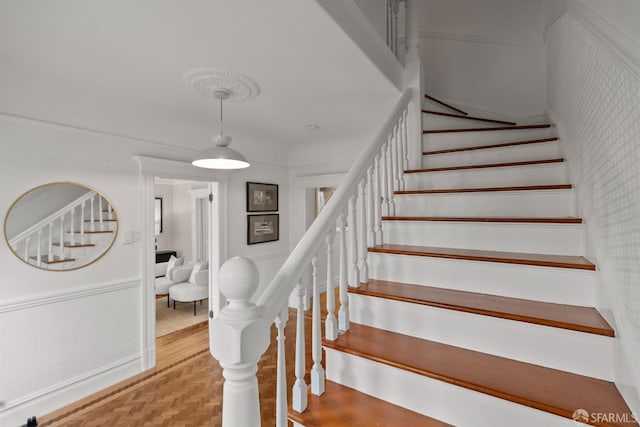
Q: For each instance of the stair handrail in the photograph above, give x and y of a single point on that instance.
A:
(53, 217)
(276, 294)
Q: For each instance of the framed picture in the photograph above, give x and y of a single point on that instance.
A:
(262, 228)
(262, 197)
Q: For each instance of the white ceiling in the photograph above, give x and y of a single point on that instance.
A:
(116, 66)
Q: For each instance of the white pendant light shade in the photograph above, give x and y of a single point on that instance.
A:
(221, 158)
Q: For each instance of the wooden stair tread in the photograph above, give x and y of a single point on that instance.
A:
(480, 119)
(541, 260)
(342, 406)
(54, 259)
(546, 389)
(104, 220)
(488, 165)
(445, 104)
(517, 127)
(487, 189)
(562, 220)
(575, 318)
(75, 245)
(95, 232)
(489, 146)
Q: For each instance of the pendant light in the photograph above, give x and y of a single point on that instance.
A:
(221, 156)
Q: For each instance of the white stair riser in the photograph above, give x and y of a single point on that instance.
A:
(548, 174)
(513, 153)
(548, 284)
(434, 121)
(577, 352)
(448, 140)
(529, 203)
(452, 404)
(565, 239)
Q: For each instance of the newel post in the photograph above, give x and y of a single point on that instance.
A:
(239, 337)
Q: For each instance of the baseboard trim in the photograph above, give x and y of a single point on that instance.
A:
(51, 398)
(70, 294)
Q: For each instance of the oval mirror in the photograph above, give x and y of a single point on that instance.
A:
(61, 226)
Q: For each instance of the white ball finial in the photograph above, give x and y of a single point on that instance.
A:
(238, 278)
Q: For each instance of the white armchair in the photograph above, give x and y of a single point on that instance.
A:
(195, 288)
(163, 284)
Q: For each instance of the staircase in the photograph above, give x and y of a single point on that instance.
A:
(478, 308)
(71, 237)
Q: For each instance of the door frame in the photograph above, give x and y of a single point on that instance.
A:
(150, 168)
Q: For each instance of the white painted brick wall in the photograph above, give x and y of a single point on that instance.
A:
(594, 97)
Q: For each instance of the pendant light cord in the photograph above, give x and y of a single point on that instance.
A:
(221, 122)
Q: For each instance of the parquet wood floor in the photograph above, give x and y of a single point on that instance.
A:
(184, 389)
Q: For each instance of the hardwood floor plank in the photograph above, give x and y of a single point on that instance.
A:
(582, 319)
(546, 389)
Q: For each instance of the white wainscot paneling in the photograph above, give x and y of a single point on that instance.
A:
(59, 348)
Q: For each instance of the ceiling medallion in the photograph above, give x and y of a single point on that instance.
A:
(206, 81)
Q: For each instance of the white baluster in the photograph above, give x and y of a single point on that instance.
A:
(343, 312)
(281, 370)
(110, 209)
(371, 236)
(330, 323)
(299, 395)
(412, 32)
(388, 4)
(405, 148)
(377, 198)
(61, 237)
(383, 181)
(354, 279)
(394, 34)
(93, 225)
(39, 249)
(362, 244)
(73, 235)
(317, 371)
(82, 223)
(100, 212)
(400, 157)
(389, 175)
(50, 251)
(26, 249)
(394, 158)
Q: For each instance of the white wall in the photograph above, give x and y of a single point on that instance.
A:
(487, 55)
(594, 98)
(64, 335)
(376, 13)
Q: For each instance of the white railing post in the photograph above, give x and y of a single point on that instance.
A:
(281, 370)
(241, 337)
(377, 198)
(405, 147)
(72, 238)
(383, 181)
(61, 237)
(362, 244)
(389, 174)
(82, 223)
(50, 249)
(317, 371)
(371, 221)
(92, 219)
(26, 248)
(400, 156)
(411, 30)
(299, 395)
(330, 323)
(343, 313)
(39, 250)
(354, 279)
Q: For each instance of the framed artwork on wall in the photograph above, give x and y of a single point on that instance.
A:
(262, 197)
(263, 228)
